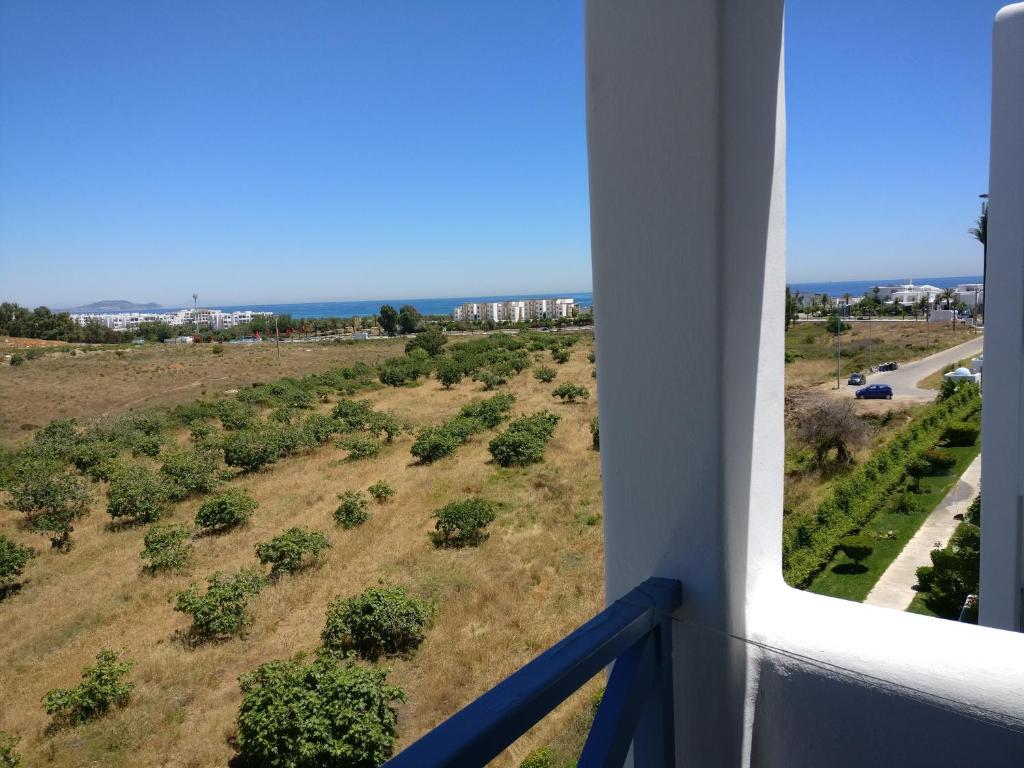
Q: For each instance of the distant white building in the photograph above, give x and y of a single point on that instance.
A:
(515, 311)
(963, 374)
(214, 319)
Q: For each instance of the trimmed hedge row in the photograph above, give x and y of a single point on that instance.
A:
(809, 539)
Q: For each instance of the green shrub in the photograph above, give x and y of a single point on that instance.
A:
(89, 455)
(167, 548)
(223, 610)
(380, 621)
(146, 445)
(917, 468)
(595, 433)
(592, 356)
(51, 498)
(835, 323)
(57, 439)
(560, 355)
(102, 688)
(857, 548)
(961, 434)
(17, 359)
(137, 494)
(490, 412)
(939, 461)
(448, 373)
(352, 511)
(318, 428)
(954, 572)
(13, 559)
(9, 757)
(433, 443)
(431, 341)
(292, 550)
(489, 379)
(234, 414)
(217, 349)
(189, 473)
(903, 504)
(539, 758)
(360, 446)
(524, 441)
(545, 373)
(251, 449)
(569, 393)
(226, 510)
(462, 523)
(299, 714)
(382, 491)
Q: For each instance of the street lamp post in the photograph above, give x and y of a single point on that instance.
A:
(839, 363)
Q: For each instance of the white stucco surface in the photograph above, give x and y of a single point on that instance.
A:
(686, 131)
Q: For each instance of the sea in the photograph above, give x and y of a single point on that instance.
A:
(584, 299)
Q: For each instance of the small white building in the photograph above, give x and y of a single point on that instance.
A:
(963, 374)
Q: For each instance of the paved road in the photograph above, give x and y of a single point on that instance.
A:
(904, 381)
(895, 589)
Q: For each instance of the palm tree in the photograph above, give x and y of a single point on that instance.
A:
(947, 295)
(980, 233)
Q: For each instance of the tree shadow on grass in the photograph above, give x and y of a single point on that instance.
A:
(849, 569)
(9, 590)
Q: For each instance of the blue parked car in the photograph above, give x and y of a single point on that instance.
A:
(875, 392)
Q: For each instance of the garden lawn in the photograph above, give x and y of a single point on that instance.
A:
(842, 578)
(920, 605)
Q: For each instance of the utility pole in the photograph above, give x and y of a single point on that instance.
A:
(277, 336)
(195, 312)
(870, 365)
(839, 364)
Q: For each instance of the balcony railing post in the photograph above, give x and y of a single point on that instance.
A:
(654, 739)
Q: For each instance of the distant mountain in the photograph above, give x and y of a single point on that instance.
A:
(116, 305)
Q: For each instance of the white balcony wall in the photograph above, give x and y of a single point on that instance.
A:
(686, 130)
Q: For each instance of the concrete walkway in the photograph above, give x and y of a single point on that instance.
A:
(896, 587)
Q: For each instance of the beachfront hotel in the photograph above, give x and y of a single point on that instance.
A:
(214, 319)
(515, 311)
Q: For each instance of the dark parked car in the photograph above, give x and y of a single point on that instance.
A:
(857, 379)
(875, 392)
(889, 366)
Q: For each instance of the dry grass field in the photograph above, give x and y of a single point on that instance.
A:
(94, 383)
(811, 351)
(537, 576)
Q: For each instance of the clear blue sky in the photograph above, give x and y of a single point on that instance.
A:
(290, 151)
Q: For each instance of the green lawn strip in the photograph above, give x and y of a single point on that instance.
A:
(919, 605)
(841, 579)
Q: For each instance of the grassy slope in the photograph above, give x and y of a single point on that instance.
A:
(837, 579)
(538, 576)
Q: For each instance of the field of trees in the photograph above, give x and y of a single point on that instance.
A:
(183, 543)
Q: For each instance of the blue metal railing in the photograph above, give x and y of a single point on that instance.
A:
(636, 633)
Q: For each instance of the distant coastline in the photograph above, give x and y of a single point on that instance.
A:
(444, 306)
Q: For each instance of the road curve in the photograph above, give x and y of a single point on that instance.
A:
(904, 380)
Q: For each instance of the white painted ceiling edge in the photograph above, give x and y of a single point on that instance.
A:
(686, 134)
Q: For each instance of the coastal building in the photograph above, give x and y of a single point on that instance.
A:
(515, 311)
(214, 319)
(971, 294)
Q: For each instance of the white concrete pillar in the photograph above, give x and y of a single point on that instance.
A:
(686, 143)
(1002, 545)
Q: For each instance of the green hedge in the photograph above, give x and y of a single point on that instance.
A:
(810, 539)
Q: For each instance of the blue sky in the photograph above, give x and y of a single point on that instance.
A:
(269, 151)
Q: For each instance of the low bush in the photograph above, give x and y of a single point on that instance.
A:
(903, 504)
(292, 550)
(352, 511)
(89, 455)
(17, 359)
(939, 461)
(9, 757)
(490, 379)
(189, 473)
(570, 393)
(462, 523)
(360, 446)
(954, 572)
(856, 548)
(222, 611)
(545, 373)
(560, 355)
(961, 434)
(136, 494)
(102, 688)
(524, 440)
(448, 373)
(234, 414)
(57, 440)
(13, 559)
(380, 621)
(539, 758)
(318, 428)
(251, 449)
(433, 443)
(226, 510)
(309, 714)
(167, 548)
(51, 498)
(146, 445)
(382, 491)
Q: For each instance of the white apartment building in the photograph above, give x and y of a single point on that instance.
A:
(514, 311)
(213, 319)
(971, 294)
